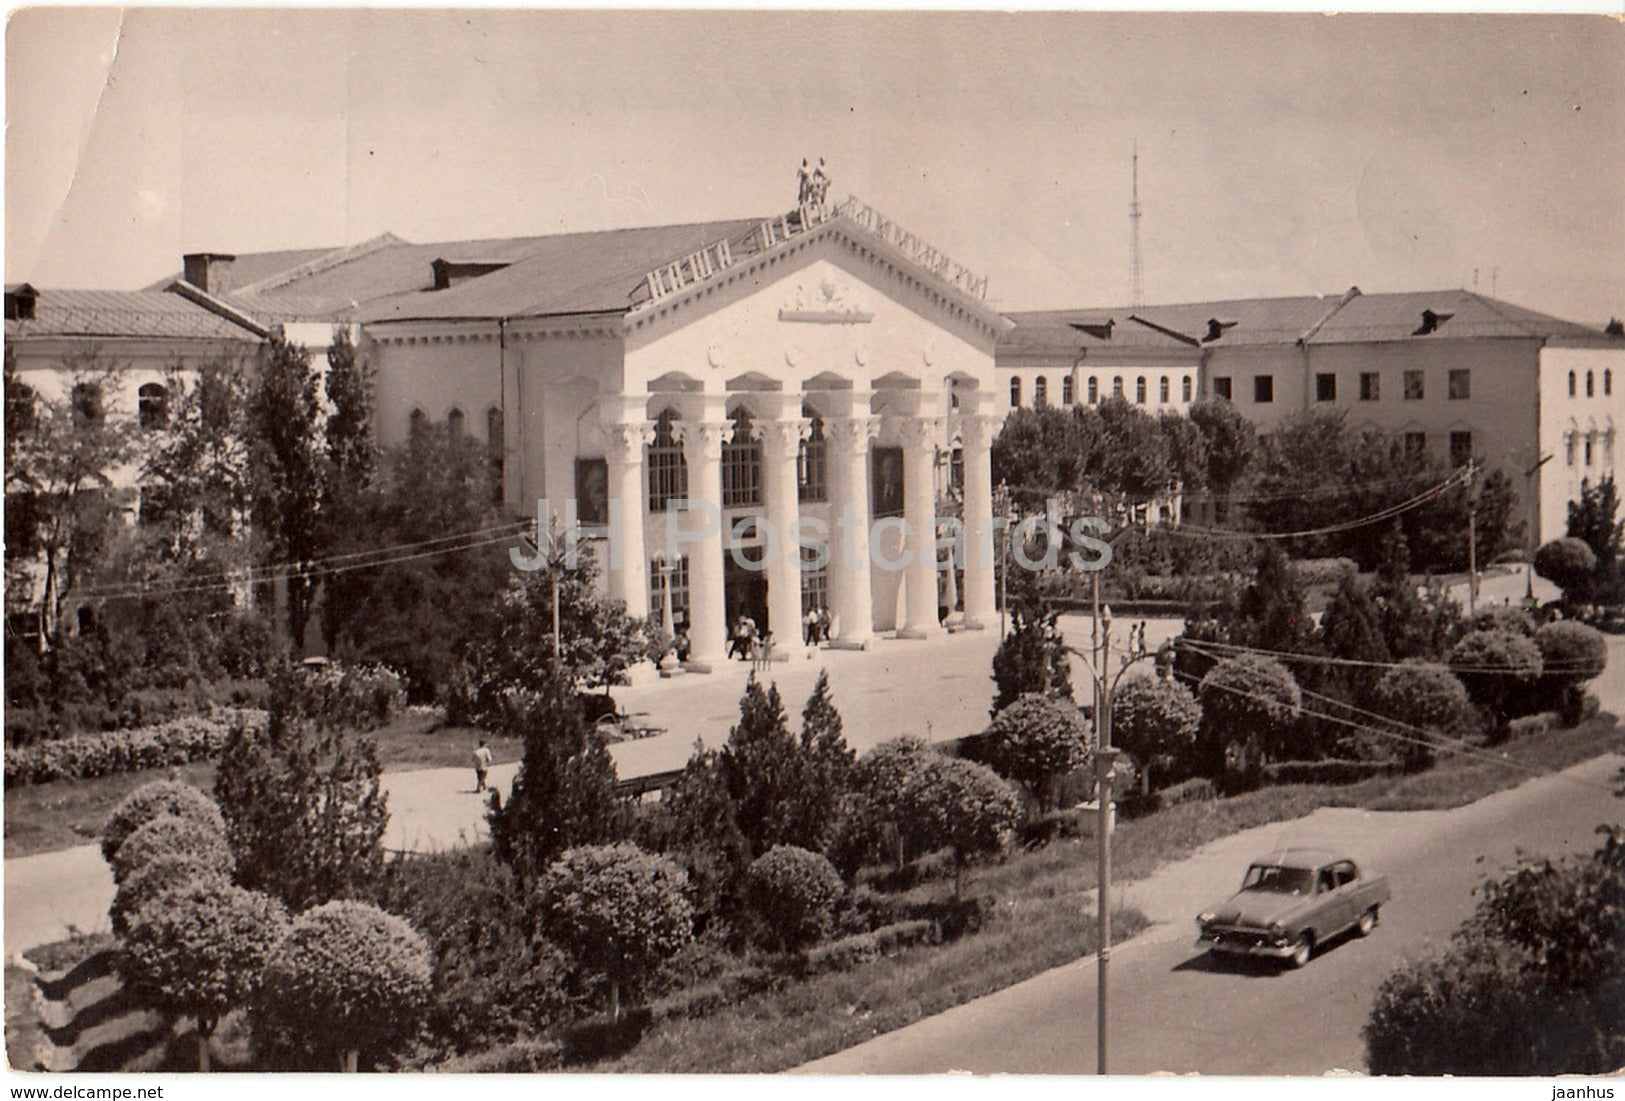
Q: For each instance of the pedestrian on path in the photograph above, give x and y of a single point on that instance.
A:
(482, 765)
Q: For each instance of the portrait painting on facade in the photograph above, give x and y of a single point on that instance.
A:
(888, 481)
(592, 492)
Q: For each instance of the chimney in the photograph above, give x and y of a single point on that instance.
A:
(209, 272)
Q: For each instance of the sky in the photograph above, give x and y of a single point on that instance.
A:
(1278, 154)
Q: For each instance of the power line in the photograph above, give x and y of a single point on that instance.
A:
(1331, 529)
(1576, 666)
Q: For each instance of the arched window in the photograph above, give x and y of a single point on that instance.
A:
(152, 403)
(1607, 381)
(668, 470)
(1094, 390)
(812, 464)
(742, 464)
(1117, 386)
(1591, 443)
(1015, 392)
(1139, 389)
(1068, 391)
(1608, 448)
(1041, 392)
(1185, 388)
(87, 404)
(1162, 389)
(1568, 448)
(415, 422)
(1571, 384)
(455, 422)
(496, 447)
(1591, 384)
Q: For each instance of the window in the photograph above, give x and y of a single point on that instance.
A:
(1326, 387)
(1607, 381)
(456, 422)
(1162, 390)
(416, 421)
(1185, 389)
(1461, 448)
(812, 463)
(1221, 388)
(658, 573)
(1608, 448)
(1414, 390)
(495, 450)
(1263, 389)
(1416, 444)
(1571, 384)
(1139, 390)
(1041, 392)
(1568, 448)
(742, 465)
(87, 404)
(1094, 390)
(1117, 386)
(814, 583)
(1370, 386)
(1461, 384)
(1591, 439)
(1015, 392)
(956, 474)
(668, 470)
(152, 401)
(1068, 396)
(1591, 384)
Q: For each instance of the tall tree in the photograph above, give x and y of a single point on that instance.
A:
(1594, 519)
(763, 768)
(347, 478)
(285, 463)
(826, 769)
(1230, 447)
(1400, 612)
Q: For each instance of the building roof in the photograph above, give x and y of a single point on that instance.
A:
(1349, 318)
(100, 314)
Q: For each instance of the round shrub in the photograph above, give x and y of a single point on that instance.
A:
(1250, 698)
(1497, 669)
(1571, 654)
(347, 976)
(164, 875)
(1421, 695)
(1503, 617)
(1568, 564)
(866, 826)
(202, 951)
(958, 804)
(1036, 741)
(619, 910)
(152, 800)
(1157, 720)
(171, 835)
(795, 891)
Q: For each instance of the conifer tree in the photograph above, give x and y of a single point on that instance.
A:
(826, 768)
(762, 767)
(1401, 615)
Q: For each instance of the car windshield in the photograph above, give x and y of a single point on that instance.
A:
(1278, 880)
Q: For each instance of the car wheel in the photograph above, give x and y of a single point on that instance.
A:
(1367, 922)
(1301, 951)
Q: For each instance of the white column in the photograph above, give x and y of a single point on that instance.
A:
(976, 440)
(920, 437)
(628, 567)
(781, 440)
(702, 527)
(851, 597)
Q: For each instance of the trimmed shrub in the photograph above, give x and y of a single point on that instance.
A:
(1157, 720)
(1330, 771)
(1423, 696)
(165, 745)
(171, 835)
(202, 951)
(1498, 669)
(1197, 790)
(795, 892)
(354, 697)
(163, 876)
(849, 952)
(154, 800)
(1250, 703)
(959, 804)
(1568, 564)
(868, 828)
(1035, 741)
(1503, 617)
(1525, 726)
(1571, 654)
(1322, 571)
(527, 1056)
(617, 909)
(347, 976)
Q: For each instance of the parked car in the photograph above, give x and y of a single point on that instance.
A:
(1290, 903)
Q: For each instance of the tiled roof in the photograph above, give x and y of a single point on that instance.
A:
(123, 314)
(1330, 319)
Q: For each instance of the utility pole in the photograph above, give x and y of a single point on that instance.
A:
(1472, 536)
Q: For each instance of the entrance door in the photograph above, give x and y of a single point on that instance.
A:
(745, 593)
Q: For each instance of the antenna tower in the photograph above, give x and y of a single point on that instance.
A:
(1134, 225)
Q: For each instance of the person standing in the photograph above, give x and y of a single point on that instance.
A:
(482, 765)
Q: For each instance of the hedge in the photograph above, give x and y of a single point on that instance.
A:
(1331, 771)
(850, 951)
(165, 745)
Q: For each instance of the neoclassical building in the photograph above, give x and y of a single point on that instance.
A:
(752, 417)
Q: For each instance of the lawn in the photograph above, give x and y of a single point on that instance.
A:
(46, 817)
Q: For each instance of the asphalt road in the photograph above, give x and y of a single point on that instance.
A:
(1173, 1008)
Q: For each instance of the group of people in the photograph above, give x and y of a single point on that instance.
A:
(815, 626)
(813, 185)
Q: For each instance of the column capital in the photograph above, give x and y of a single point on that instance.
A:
(627, 439)
(782, 439)
(919, 433)
(851, 434)
(702, 440)
(976, 430)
